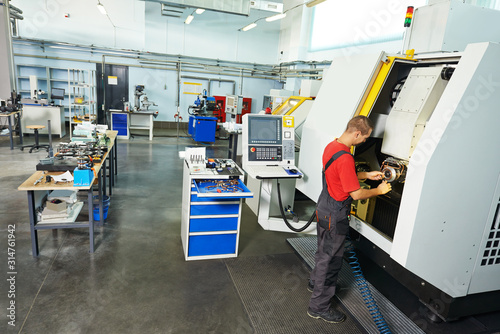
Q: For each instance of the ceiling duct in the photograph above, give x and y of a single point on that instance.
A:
(172, 11)
(269, 6)
(239, 7)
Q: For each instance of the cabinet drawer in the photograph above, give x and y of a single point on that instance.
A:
(214, 209)
(117, 118)
(233, 188)
(196, 198)
(121, 131)
(213, 224)
(215, 244)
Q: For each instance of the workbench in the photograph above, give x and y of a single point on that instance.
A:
(123, 122)
(38, 190)
(34, 115)
(10, 115)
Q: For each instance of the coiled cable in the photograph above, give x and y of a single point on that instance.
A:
(284, 217)
(364, 288)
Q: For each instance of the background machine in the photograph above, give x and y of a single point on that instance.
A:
(435, 114)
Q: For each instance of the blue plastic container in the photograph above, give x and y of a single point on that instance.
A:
(105, 207)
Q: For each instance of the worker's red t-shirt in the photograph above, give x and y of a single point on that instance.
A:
(341, 175)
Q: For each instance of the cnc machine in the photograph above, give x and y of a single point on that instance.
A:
(436, 114)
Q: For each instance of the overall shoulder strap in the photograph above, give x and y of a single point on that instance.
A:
(335, 157)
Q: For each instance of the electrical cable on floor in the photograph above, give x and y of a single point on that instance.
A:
(364, 288)
(309, 222)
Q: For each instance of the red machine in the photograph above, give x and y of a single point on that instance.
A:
(221, 114)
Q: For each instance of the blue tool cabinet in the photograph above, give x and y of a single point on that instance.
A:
(120, 123)
(210, 220)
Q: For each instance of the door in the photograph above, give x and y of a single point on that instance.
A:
(112, 90)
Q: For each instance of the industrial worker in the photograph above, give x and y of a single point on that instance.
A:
(340, 188)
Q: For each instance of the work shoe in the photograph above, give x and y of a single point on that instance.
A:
(310, 286)
(332, 316)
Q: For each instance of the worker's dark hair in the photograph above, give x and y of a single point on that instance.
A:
(360, 123)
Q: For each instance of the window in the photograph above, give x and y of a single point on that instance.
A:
(338, 24)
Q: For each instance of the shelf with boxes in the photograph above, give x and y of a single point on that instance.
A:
(82, 97)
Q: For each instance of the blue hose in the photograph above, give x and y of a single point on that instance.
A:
(364, 288)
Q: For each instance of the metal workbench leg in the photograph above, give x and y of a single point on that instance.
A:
(32, 213)
(150, 127)
(110, 174)
(235, 147)
(19, 128)
(10, 133)
(115, 158)
(99, 187)
(104, 178)
(91, 220)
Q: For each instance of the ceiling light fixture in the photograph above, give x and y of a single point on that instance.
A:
(314, 3)
(275, 17)
(101, 8)
(189, 19)
(199, 11)
(250, 26)
(280, 15)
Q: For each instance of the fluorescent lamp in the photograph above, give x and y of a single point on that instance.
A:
(101, 8)
(250, 26)
(314, 3)
(189, 19)
(275, 17)
(200, 11)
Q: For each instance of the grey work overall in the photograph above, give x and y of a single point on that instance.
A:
(332, 227)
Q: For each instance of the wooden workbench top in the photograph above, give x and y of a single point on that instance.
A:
(29, 184)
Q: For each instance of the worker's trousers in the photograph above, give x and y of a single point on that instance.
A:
(332, 228)
(328, 261)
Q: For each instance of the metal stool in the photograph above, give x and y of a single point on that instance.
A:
(35, 128)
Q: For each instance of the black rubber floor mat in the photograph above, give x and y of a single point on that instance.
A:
(273, 289)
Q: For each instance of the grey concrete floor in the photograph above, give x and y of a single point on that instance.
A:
(137, 280)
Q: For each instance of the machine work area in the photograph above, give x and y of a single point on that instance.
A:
(260, 193)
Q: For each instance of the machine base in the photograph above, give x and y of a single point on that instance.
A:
(438, 302)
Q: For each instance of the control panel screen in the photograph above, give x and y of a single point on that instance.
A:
(264, 130)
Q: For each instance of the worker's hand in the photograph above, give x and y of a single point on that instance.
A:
(384, 187)
(374, 175)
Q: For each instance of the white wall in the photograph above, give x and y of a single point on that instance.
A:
(140, 26)
(85, 24)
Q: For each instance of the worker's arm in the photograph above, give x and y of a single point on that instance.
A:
(373, 175)
(361, 193)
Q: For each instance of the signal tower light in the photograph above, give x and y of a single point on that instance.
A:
(409, 16)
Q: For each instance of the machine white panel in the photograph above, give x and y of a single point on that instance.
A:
(450, 25)
(340, 94)
(444, 210)
(427, 31)
(412, 109)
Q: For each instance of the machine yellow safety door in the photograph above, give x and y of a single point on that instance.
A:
(290, 105)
